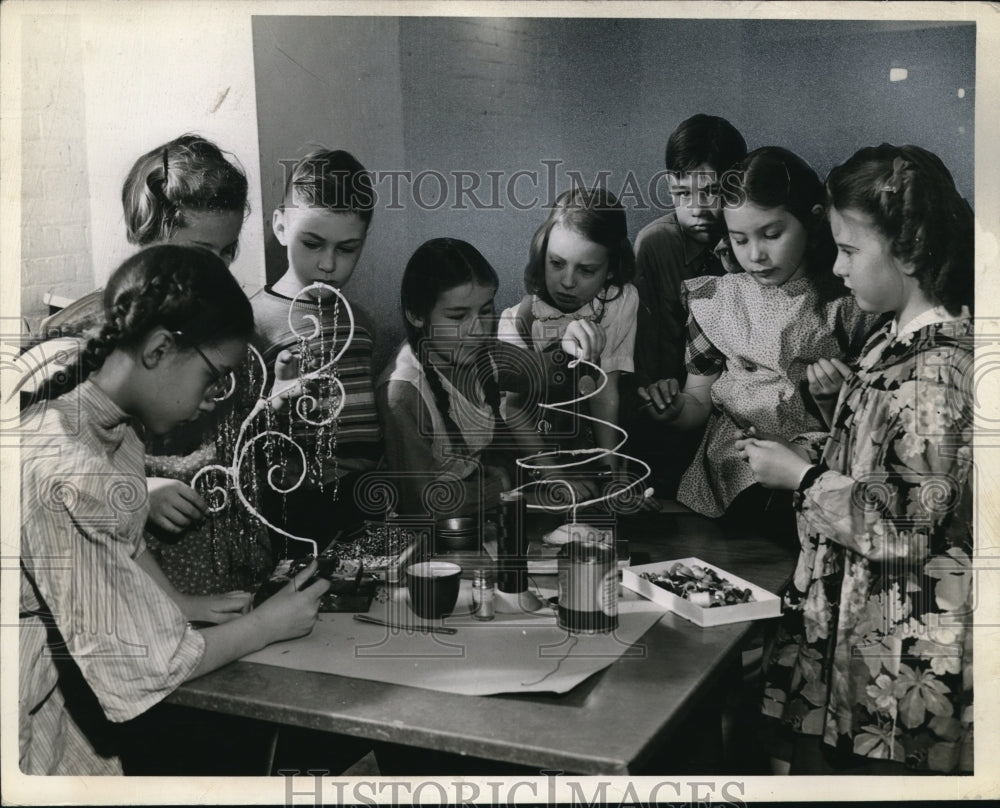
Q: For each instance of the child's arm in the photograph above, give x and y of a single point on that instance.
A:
(604, 405)
(803, 448)
(289, 613)
(584, 340)
(688, 409)
(410, 457)
(892, 513)
(691, 408)
(659, 345)
(125, 633)
(202, 608)
(826, 377)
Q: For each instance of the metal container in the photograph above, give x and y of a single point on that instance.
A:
(456, 534)
(588, 587)
(512, 547)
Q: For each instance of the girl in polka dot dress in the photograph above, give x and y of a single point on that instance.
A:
(751, 336)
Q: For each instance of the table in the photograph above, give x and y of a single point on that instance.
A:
(609, 724)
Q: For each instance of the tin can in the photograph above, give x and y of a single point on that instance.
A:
(588, 587)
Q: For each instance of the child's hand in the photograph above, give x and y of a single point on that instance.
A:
(775, 465)
(216, 608)
(826, 377)
(584, 340)
(291, 612)
(286, 379)
(174, 506)
(746, 435)
(662, 400)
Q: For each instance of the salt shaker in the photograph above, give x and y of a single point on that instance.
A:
(483, 591)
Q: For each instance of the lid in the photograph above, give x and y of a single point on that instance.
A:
(586, 551)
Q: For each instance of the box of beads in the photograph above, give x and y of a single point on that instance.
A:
(386, 548)
(701, 592)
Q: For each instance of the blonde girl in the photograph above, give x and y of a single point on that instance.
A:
(580, 267)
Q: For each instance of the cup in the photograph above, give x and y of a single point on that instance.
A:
(433, 587)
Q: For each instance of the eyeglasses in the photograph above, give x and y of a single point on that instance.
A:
(223, 384)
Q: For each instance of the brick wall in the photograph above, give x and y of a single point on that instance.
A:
(55, 205)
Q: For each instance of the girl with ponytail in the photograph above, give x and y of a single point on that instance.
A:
(183, 192)
(175, 326)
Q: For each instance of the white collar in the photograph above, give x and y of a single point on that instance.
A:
(938, 314)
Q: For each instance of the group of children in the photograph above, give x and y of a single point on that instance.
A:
(809, 341)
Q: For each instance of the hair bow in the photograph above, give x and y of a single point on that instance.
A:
(899, 165)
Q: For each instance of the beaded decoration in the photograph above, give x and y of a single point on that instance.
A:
(319, 403)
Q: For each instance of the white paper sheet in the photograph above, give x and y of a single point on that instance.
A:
(511, 654)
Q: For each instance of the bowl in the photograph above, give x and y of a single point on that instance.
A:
(460, 533)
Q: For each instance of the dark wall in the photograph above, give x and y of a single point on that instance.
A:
(441, 96)
(823, 89)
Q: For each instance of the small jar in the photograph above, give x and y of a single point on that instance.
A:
(483, 591)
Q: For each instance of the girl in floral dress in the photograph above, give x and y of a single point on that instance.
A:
(874, 656)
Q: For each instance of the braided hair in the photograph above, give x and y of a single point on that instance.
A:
(189, 173)
(771, 177)
(598, 216)
(437, 266)
(912, 199)
(187, 290)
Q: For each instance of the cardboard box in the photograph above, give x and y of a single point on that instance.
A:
(764, 605)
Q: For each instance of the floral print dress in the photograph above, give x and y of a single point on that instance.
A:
(874, 652)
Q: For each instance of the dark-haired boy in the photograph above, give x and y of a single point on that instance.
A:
(673, 249)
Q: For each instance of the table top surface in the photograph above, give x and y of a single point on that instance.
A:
(606, 725)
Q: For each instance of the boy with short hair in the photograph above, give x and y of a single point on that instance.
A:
(670, 250)
(679, 245)
(323, 223)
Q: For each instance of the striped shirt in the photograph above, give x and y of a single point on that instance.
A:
(358, 435)
(92, 622)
